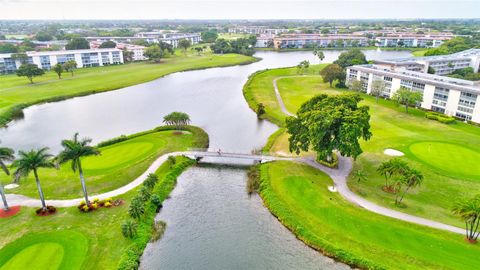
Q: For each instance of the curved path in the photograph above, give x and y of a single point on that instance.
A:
(340, 176)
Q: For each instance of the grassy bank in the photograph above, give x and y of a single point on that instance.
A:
(96, 238)
(17, 93)
(298, 195)
(71, 239)
(444, 153)
(121, 161)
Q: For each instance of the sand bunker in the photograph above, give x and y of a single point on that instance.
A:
(393, 152)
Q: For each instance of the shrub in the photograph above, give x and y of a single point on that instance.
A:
(144, 194)
(107, 204)
(129, 228)
(85, 208)
(260, 110)
(332, 164)
(171, 160)
(94, 206)
(445, 119)
(96, 200)
(253, 181)
(156, 201)
(137, 209)
(158, 230)
(151, 180)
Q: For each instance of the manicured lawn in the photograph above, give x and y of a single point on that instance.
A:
(419, 52)
(88, 240)
(15, 91)
(298, 195)
(53, 250)
(450, 171)
(117, 165)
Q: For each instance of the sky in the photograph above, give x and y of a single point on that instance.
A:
(235, 9)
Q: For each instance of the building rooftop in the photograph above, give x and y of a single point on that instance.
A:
(460, 55)
(443, 81)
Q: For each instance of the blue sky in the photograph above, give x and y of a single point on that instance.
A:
(235, 9)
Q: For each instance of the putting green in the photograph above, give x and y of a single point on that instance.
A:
(47, 251)
(118, 154)
(451, 158)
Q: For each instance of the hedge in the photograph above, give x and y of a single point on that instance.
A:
(130, 260)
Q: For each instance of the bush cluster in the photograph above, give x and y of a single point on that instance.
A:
(145, 229)
(440, 117)
(332, 164)
(97, 203)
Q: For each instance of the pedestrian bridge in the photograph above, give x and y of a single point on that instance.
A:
(199, 154)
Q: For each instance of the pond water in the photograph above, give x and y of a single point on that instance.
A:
(212, 223)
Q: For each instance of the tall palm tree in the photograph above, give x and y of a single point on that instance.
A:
(411, 178)
(74, 150)
(469, 211)
(32, 161)
(6, 155)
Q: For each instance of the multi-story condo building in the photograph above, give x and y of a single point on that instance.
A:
(412, 40)
(255, 30)
(310, 40)
(47, 59)
(439, 64)
(152, 37)
(453, 97)
(138, 52)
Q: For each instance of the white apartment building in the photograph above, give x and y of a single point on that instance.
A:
(138, 52)
(305, 40)
(47, 59)
(408, 39)
(152, 37)
(441, 64)
(263, 40)
(450, 96)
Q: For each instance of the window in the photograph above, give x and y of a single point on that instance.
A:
(61, 59)
(45, 62)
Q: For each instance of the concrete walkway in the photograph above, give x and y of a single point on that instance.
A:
(340, 176)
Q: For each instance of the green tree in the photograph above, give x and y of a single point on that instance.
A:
(331, 73)
(22, 57)
(360, 175)
(137, 208)
(303, 66)
(127, 55)
(74, 150)
(6, 155)
(176, 119)
(70, 66)
(154, 53)
(29, 71)
(108, 44)
(350, 58)
(77, 43)
(392, 168)
(327, 123)
(31, 161)
(377, 88)
(260, 110)
(184, 44)
(319, 53)
(8, 48)
(209, 36)
(407, 97)
(411, 178)
(58, 68)
(43, 36)
(355, 85)
(199, 50)
(469, 211)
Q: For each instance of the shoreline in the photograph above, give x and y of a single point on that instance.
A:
(16, 111)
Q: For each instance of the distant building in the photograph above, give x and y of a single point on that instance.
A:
(311, 40)
(255, 30)
(47, 59)
(152, 37)
(439, 64)
(432, 40)
(137, 50)
(263, 40)
(454, 97)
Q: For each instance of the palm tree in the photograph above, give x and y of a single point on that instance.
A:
(74, 150)
(411, 178)
(177, 119)
(6, 155)
(360, 175)
(469, 211)
(32, 161)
